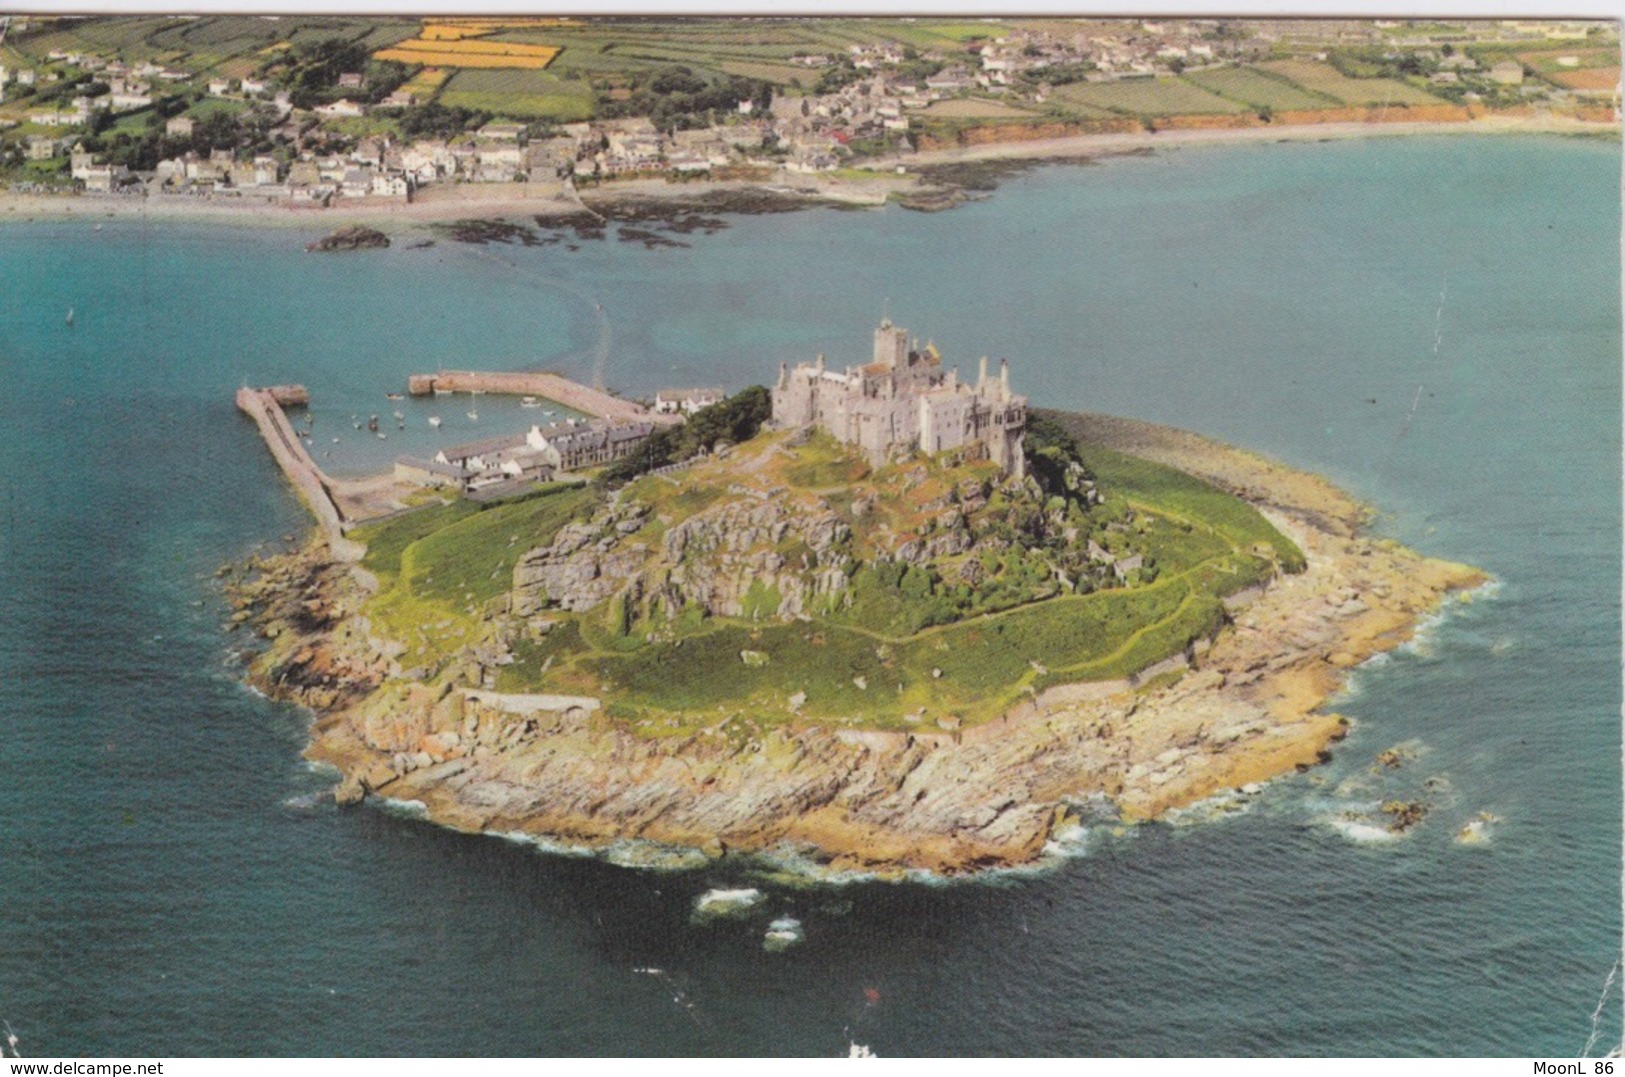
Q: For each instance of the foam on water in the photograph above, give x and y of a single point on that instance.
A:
(406, 809)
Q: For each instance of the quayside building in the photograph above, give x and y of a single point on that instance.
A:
(902, 401)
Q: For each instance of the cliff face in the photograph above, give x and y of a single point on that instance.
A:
(946, 800)
(762, 537)
(710, 560)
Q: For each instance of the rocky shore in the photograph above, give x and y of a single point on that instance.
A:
(561, 769)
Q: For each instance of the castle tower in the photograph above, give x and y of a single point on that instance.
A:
(981, 374)
(891, 345)
(1004, 379)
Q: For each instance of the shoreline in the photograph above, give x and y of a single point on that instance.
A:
(445, 204)
(992, 796)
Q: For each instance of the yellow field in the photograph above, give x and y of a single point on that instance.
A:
(457, 29)
(464, 52)
(423, 85)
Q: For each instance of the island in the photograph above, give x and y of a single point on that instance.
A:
(877, 618)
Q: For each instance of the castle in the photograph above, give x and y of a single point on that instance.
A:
(904, 399)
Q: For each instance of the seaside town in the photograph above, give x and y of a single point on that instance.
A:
(318, 111)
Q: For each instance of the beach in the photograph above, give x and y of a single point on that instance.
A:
(558, 200)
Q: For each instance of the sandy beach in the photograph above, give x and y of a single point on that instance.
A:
(553, 199)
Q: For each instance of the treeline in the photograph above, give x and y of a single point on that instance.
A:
(141, 150)
(675, 98)
(733, 420)
(435, 120)
(311, 71)
(1054, 459)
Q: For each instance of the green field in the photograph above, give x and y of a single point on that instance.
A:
(1145, 97)
(441, 565)
(1257, 89)
(521, 94)
(1326, 79)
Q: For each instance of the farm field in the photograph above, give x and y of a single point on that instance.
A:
(1326, 79)
(470, 52)
(1146, 97)
(1545, 61)
(519, 93)
(1586, 78)
(973, 108)
(1257, 89)
(423, 85)
(778, 74)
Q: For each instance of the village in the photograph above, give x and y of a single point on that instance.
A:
(98, 123)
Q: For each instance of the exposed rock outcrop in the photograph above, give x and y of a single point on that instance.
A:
(351, 237)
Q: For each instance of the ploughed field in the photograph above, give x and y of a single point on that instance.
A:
(786, 581)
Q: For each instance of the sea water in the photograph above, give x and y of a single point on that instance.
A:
(1432, 322)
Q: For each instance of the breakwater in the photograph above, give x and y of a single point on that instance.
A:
(264, 406)
(571, 394)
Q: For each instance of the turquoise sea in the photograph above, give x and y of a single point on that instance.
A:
(1432, 322)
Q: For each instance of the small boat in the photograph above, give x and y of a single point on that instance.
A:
(549, 414)
(335, 441)
(398, 415)
(394, 396)
(474, 415)
(441, 392)
(372, 424)
(70, 315)
(98, 227)
(381, 435)
(529, 402)
(434, 421)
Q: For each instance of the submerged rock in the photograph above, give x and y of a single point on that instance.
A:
(715, 903)
(782, 934)
(352, 237)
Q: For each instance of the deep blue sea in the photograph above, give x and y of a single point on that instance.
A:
(1432, 322)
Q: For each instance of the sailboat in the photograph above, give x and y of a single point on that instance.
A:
(70, 315)
(434, 421)
(473, 405)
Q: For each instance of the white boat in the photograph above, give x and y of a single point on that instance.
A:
(474, 415)
(529, 402)
(70, 315)
(434, 421)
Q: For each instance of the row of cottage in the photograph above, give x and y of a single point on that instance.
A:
(535, 456)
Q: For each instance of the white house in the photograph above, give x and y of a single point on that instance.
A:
(686, 401)
(342, 107)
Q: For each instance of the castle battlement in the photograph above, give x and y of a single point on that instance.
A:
(903, 399)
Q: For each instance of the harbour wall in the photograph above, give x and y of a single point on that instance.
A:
(571, 394)
(264, 406)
